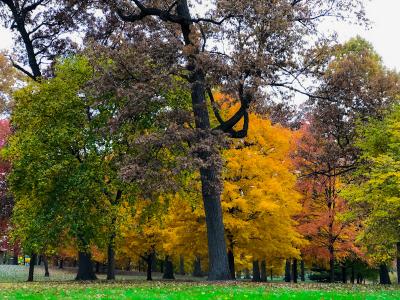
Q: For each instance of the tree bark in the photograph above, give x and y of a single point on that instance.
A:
(169, 269)
(197, 272)
(344, 274)
(287, 271)
(384, 274)
(398, 262)
(61, 263)
(352, 277)
(331, 264)
(302, 271)
(181, 265)
(111, 259)
(231, 260)
(263, 271)
(32, 266)
(210, 180)
(46, 266)
(85, 267)
(294, 271)
(247, 274)
(149, 261)
(256, 271)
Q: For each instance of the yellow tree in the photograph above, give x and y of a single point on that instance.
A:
(259, 201)
(139, 228)
(260, 197)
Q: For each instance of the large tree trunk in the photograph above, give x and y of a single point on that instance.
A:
(181, 265)
(287, 271)
(256, 271)
(85, 267)
(197, 267)
(302, 271)
(46, 266)
(32, 266)
(263, 271)
(384, 274)
(169, 269)
(398, 262)
(210, 179)
(231, 260)
(111, 259)
(294, 271)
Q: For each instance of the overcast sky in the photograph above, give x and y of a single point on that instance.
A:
(384, 32)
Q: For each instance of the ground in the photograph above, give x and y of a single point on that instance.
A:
(61, 286)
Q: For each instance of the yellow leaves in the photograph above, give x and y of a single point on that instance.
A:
(260, 197)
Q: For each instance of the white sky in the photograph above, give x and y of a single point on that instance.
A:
(384, 32)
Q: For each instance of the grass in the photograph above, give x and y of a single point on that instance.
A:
(61, 286)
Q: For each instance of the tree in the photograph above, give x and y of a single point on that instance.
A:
(41, 28)
(258, 202)
(353, 86)
(260, 194)
(140, 232)
(60, 164)
(266, 38)
(374, 193)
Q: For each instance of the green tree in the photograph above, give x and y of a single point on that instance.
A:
(374, 195)
(60, 162)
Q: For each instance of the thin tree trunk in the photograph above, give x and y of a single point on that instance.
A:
(111, 242)
(231, 260)
(331, 264)
(384, 274)
(61, 263)
(111, 259)
(287, 271)
(247, 274)
(85, 267)
(398, 262)
(294, 270)
(32, 266)
(344, 274)
(256, 271)
(97, 268)
(149, 261)
(181, 265)
(263, 271)
(210, 180)
(169, 269)
(272, 274)
(352, 277)
(46, 266)
(197, 267)
(302, 271)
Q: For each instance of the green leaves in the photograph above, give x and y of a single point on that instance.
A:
(375, 194)
(59, 159)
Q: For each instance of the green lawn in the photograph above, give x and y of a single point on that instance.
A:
(61, 286)
(186, 291)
